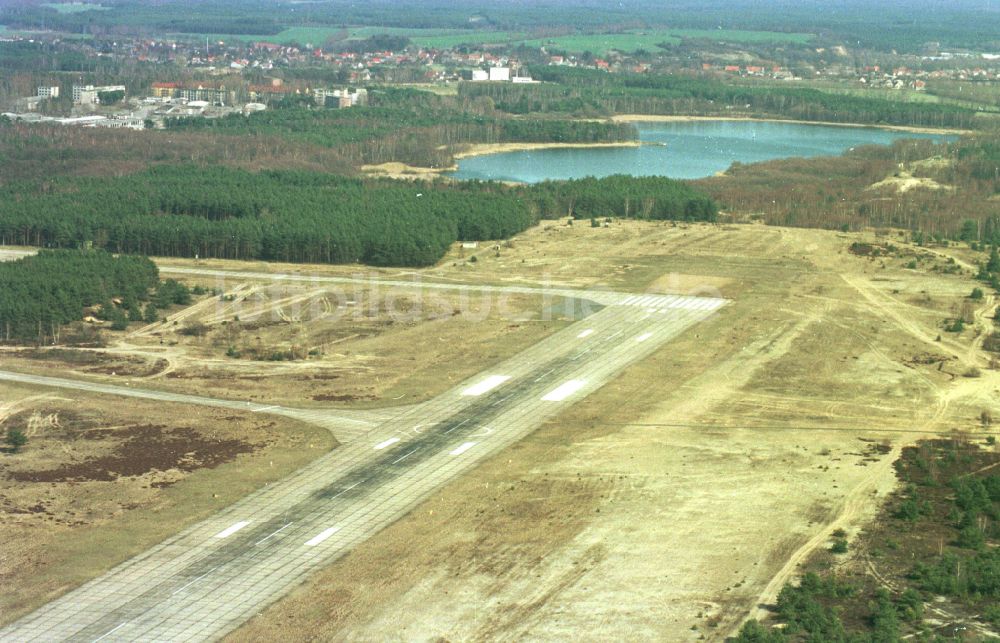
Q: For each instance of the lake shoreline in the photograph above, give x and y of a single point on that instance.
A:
(656, 118)
(395, 170)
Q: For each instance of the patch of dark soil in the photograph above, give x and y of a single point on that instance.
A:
(145, 448)
(131, 367)
(257, 324)
(926, 359)
(79, 358)
(346, 397)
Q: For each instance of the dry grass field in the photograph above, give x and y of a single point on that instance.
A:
(308, 345)
(671, 504)
(680, 498)
(101, 480)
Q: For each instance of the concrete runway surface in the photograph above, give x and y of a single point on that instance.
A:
(213, 576)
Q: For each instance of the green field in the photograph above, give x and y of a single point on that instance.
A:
(74, 7)
(598, 44)
(601, 44)
(736, 35)
(319, 35)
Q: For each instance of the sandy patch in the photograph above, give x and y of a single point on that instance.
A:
(480, 149)
(904, 182)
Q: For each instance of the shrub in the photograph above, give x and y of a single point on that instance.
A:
(16, 439)
(194, 329)
(118, 320)
(754, 632)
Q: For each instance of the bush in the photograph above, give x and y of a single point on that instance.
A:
(754, 632)
(839, 546)
(971, 537)
(16, 439)
(194, 329)
(977, 293)
(172, 292)
(118, 320)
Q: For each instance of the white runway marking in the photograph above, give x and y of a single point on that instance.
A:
(499, 402)
(564, 390)
(273, 533)
(463, 448)
(321, 536)
(643, 337)
(459, 425)
(586, 333)
(403, 457)
(542, 376)
(109, 632)
(488, 384)
(343, 491)
(188, 584)
(265, 408)
(229, 531)
(387, 443)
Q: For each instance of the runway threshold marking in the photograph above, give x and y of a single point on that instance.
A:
(463, 448)
(563, 391)
(486, 385)
(387, 443)
(586, 333)
(321, 536)
(232, 529)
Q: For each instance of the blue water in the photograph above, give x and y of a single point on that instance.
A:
(693, 150)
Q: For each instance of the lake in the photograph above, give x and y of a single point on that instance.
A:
(683, 150)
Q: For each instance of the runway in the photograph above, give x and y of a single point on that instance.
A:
(213, 576)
